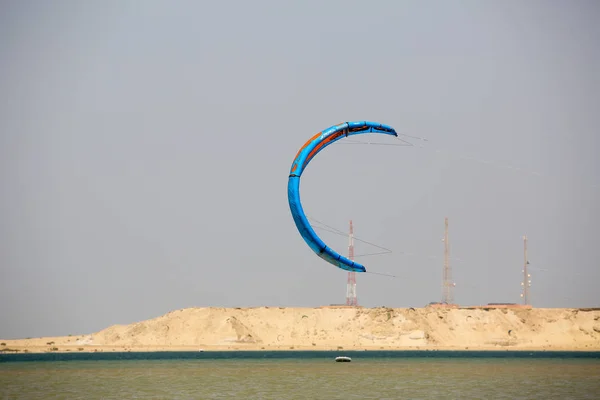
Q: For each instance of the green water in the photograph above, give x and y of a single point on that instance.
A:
(305, 378)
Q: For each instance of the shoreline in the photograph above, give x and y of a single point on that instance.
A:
(190, 349)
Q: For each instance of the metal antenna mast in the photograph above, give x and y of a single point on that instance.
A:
(447, 285)
(351, 285)
(526, 284)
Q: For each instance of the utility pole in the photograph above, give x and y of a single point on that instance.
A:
(526, 276)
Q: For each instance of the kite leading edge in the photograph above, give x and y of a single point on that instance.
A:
(305, 154)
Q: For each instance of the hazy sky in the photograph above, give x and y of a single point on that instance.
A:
(145, 148)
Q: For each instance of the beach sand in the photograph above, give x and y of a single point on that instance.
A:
(335, 328)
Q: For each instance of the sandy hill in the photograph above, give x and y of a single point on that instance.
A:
(340, 327)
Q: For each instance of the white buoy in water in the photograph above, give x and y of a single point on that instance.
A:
(343, 359)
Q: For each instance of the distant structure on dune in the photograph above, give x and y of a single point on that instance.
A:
(447, 284)
(447, 300)
(526, 284)
(351, 299)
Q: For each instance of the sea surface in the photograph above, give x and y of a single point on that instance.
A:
(301, 375)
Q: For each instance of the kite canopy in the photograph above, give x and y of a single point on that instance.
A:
(305, 154)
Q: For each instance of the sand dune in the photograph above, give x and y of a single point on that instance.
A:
(273, 328)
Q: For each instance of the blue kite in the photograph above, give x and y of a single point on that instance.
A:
(305, 154)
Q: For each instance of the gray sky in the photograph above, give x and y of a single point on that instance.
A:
(145, 149)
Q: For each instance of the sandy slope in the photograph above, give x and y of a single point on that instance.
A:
(333, 328)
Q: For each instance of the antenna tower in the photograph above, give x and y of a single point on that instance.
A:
(526, 284)
(351, 286)
(447, 285)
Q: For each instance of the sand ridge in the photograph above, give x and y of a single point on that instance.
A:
(331, 328)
